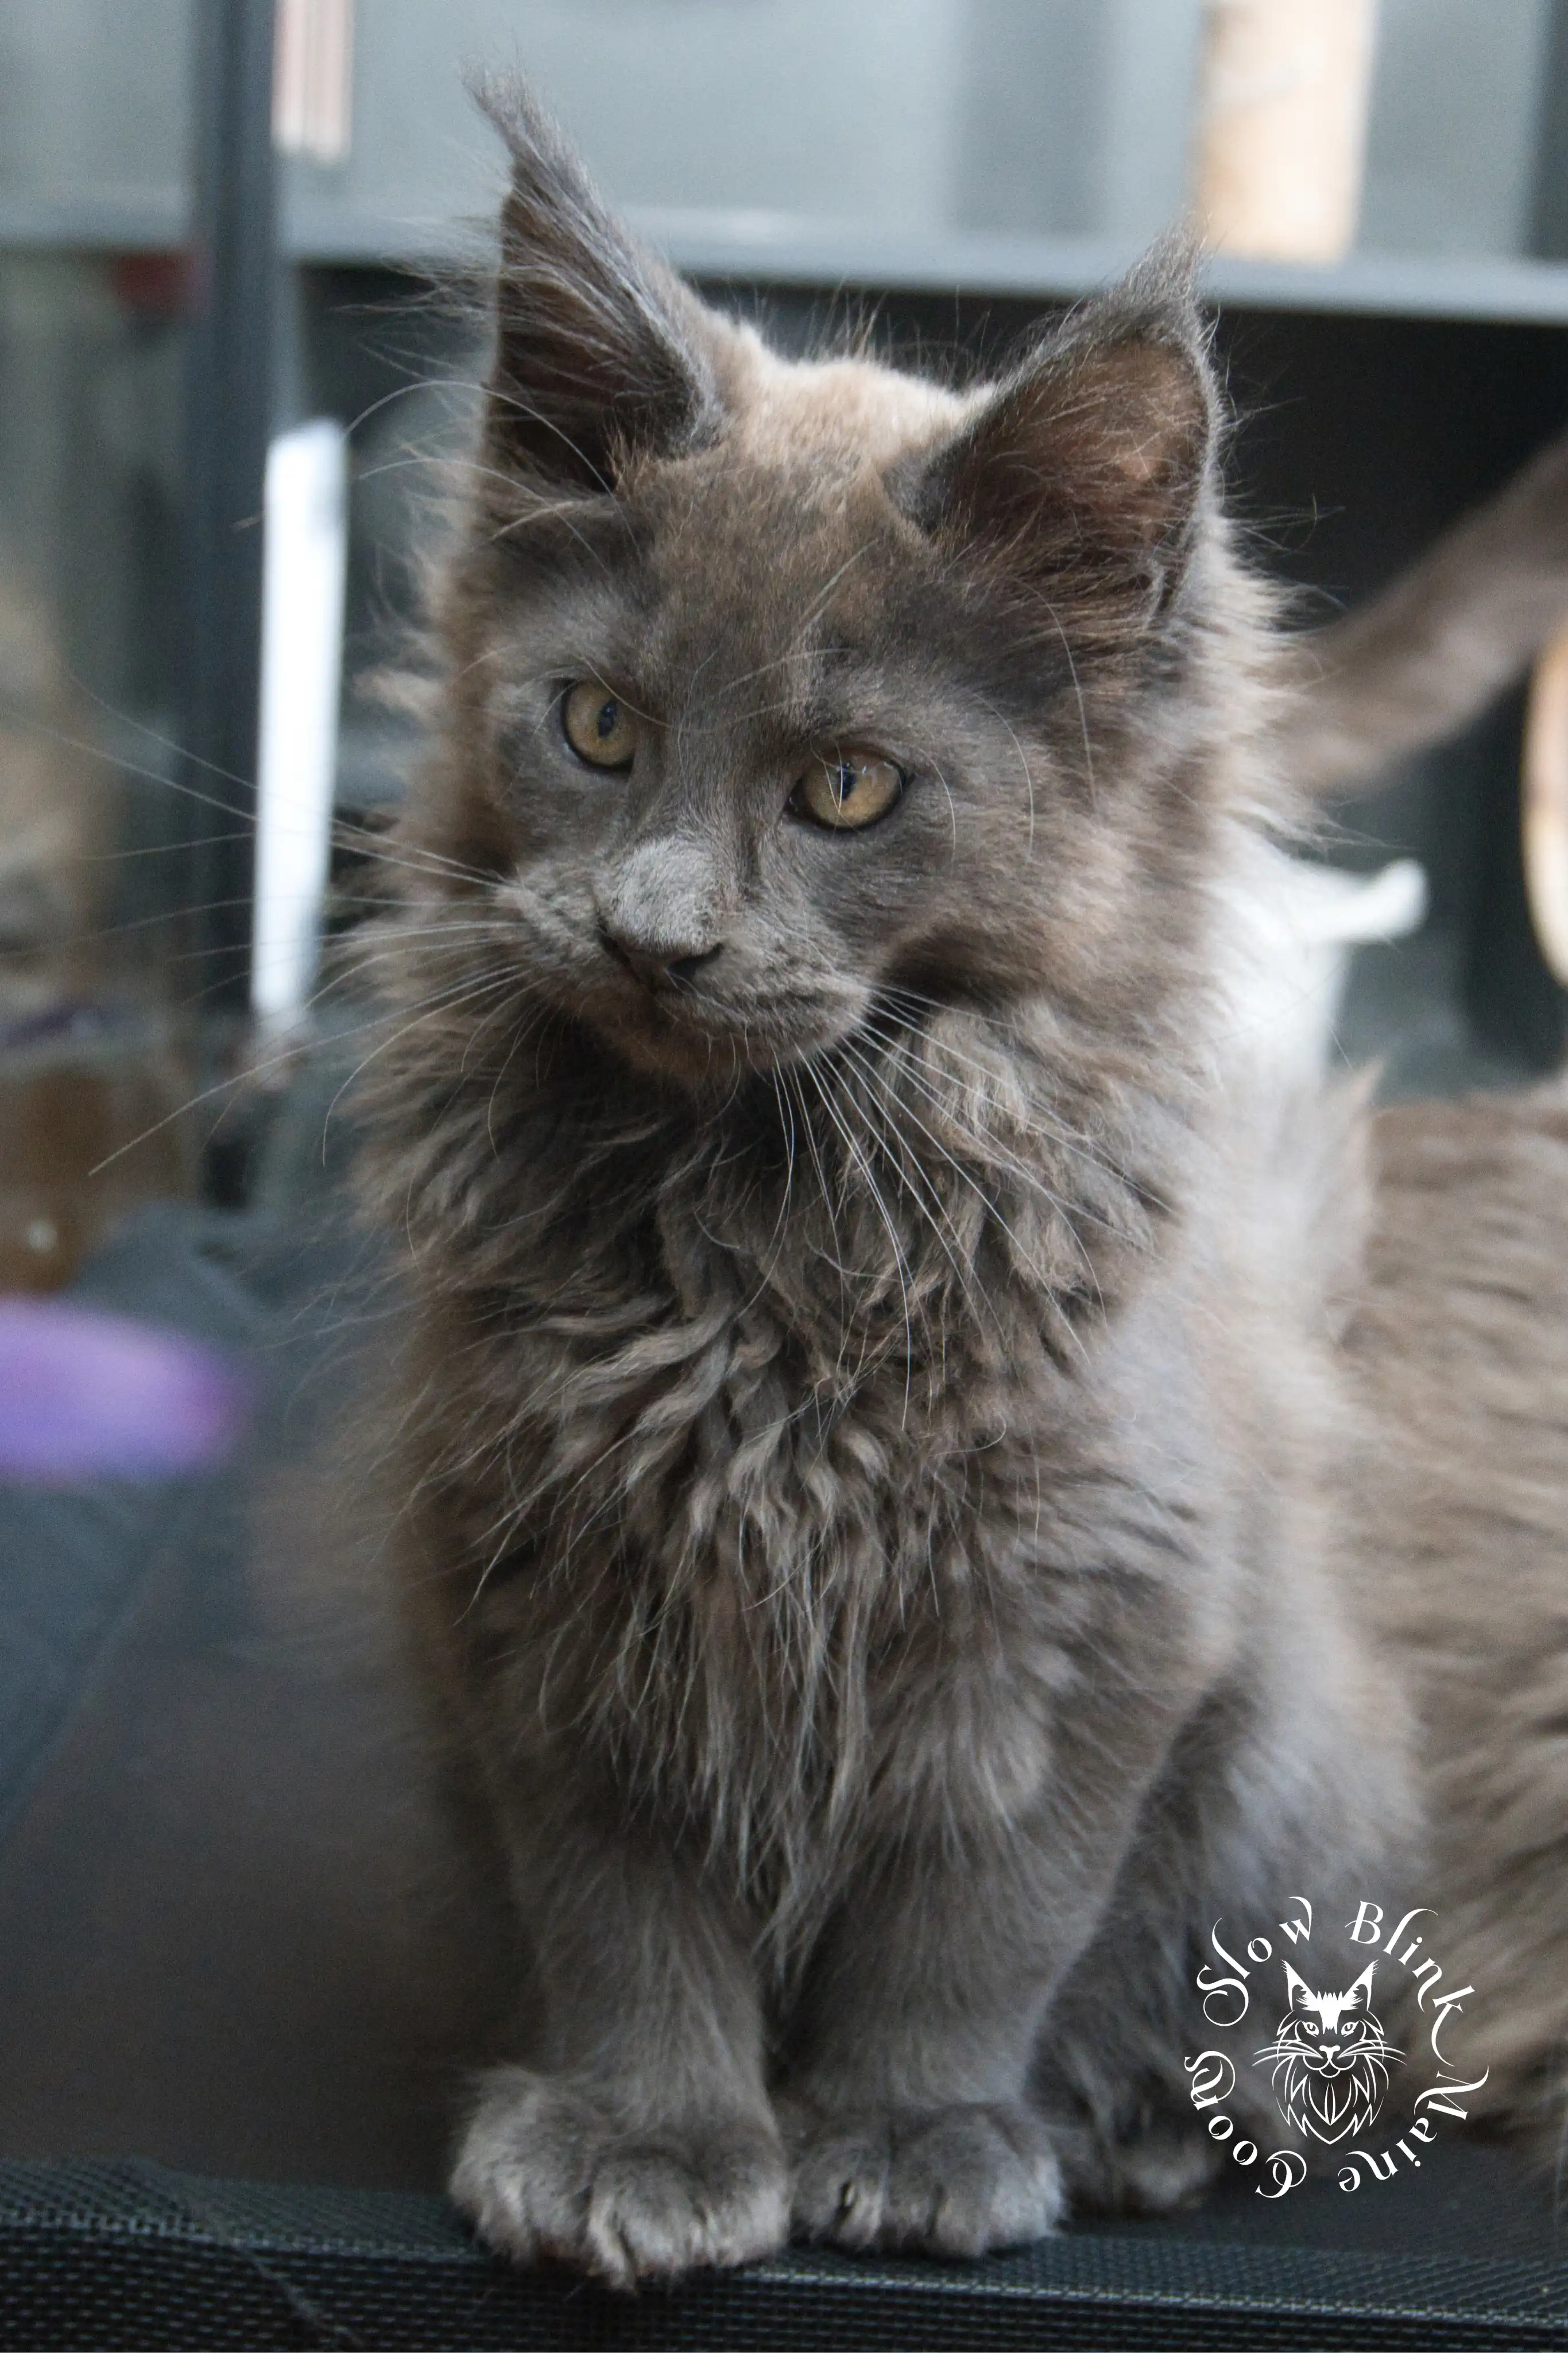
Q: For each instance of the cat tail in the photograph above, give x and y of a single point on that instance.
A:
(1414, 663)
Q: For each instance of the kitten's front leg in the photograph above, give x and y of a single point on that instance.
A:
(906, 2104)
(908, 2093)
(643, 2143)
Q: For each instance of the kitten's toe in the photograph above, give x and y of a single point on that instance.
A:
(943, 2181)
(967, 2179)
(842, 2166)
(546, 2169)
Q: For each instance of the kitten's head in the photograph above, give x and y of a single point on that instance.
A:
(784, 690)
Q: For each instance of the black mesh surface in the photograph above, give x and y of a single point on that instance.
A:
(132, 2255)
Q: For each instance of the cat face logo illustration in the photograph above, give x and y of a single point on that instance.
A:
(1331, 2059)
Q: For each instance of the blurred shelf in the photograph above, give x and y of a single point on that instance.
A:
(792, 252)
(783, 249)
(780, 249)
(1501, 288)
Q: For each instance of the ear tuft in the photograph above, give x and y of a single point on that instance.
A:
(600, 349)
(1085, 471)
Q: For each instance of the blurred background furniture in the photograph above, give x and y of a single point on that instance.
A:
(959, 166)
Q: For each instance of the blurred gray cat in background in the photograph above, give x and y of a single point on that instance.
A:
(925, 1472)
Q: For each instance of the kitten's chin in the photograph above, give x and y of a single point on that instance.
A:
(710, 1057)
(695, 1062)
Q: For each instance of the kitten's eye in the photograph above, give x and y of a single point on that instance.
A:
(852, 789)
(599, 728)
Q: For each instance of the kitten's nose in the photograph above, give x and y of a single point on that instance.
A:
(662, 912)
(658, 964)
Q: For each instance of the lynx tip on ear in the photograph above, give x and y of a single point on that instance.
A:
(601, 351)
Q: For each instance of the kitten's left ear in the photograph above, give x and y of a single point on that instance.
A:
(601, 354)
(1084, 472)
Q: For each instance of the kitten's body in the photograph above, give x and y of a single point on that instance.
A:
(799, 1624)
(880, 1515)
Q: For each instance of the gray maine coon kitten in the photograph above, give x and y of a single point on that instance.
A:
(883, 1481)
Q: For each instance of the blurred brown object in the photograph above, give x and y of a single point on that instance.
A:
(1281, 126)
(85, 1088)
(55, 814)
(90, 1079)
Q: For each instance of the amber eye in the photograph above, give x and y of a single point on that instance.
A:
(847, 790)
(599, 726)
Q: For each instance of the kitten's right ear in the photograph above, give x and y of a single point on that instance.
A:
(600, 354)
(1082, 475)
(1299, 1991)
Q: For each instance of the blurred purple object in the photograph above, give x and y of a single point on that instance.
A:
(86, 1394)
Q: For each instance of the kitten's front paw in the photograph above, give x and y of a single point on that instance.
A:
(940, 2181)
(546, 2168)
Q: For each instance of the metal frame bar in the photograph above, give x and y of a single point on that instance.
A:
(227, 422)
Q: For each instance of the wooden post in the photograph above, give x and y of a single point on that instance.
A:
(1281, 127)
(1544, 811)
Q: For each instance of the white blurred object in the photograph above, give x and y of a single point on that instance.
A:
(306, 559)
(1282, 133)
(312, 78)
(1292, 949)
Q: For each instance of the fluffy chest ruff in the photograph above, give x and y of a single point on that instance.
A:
(775, 1483)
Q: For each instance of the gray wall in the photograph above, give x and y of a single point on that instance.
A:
(919, 115)
(810, 108)
(1452, 145)
(1076, 118)
(93, 100)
